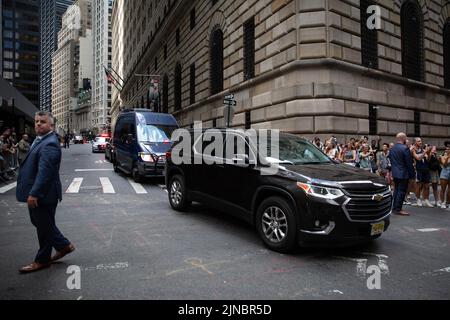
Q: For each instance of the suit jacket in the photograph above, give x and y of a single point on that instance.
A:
(401, 162)
(39, 172)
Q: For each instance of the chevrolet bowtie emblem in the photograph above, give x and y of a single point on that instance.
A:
(377, 197)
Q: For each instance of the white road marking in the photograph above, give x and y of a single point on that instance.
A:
(8, 187)
(336, 291)
(106, 185)
(117, 265)
(437, 272)
(137, 187)
(75, 186)
(92, 170)
(428, 230)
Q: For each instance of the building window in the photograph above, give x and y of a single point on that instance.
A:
(249, 49)
(177, 37)
(446, 42)
(193, 18)
(165, 106)
(156, 64)
(248, 119)
(216, 61)
(177, 87)
(213, 2)
(165, 51)
(192, 84)
(417, 124)
(369, 39)
(373, 128)
(412, 40)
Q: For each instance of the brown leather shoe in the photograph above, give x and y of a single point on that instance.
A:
(59, 254)
(32, 267)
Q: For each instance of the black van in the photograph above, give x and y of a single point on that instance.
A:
(141, 139)
(308, 200)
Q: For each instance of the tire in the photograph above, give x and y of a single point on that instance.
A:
(115, 167)
(276, 224)
(135, 174)
(177, 193)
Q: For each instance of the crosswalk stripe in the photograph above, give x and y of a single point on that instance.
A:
(75, 186)
(137, 187)
(8, 187)
(106, 185)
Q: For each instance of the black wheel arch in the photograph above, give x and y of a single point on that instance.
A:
(265, 192)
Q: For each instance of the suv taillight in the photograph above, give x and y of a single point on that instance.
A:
(168, 155)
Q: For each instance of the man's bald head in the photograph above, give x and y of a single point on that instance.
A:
(401, 137)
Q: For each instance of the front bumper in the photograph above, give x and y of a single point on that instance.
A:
(149, 169)
(336, 226)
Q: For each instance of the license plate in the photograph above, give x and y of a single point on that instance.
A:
(377, 228)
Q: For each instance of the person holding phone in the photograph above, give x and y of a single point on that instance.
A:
(445, 176)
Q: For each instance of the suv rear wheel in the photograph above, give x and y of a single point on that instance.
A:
(177, 193)
(276, 224)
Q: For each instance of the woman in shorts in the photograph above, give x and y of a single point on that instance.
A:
(445, 176)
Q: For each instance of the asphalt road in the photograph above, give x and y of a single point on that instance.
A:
(132, 245)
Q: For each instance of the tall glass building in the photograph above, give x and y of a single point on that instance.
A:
(20, 46)
(51, 15)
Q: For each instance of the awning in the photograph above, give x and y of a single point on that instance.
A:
(22, 106)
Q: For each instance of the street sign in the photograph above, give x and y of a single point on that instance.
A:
(229, 102)
(229, 96)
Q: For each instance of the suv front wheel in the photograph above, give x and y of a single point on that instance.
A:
(177, 193)
(276, 224)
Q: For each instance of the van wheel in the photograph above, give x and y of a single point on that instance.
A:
(177, 193)
(276, 224)
(136, 176)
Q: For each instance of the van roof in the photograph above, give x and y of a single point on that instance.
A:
(152, 117)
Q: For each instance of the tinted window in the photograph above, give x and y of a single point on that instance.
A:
(294, 150)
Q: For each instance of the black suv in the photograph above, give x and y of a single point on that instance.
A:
(308, 199)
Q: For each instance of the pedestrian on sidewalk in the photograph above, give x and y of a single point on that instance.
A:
(423, 178)
(445, 176)
(434, 166)
(402, 171)
(39, 186)
(24, 147)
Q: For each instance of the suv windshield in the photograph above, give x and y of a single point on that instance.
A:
(154, 134)
(295, 150)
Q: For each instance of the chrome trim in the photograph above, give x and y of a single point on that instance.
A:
(325, 232)
(369, 221)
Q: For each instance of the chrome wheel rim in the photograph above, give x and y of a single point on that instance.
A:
(175, 192)
(274, 224)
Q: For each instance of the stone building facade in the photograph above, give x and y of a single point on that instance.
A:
(310, 67)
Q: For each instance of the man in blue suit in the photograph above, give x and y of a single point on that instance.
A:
(39, 186)
(402, 171)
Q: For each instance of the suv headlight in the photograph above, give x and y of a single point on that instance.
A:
(320, 192)
(146, 157)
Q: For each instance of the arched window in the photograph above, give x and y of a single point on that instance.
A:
(165, 106)
(369, 38)
(216, 61)
(446, 42)
(177, 87)
(412, 40)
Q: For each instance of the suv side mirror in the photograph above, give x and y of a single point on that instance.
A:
(130, 138)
